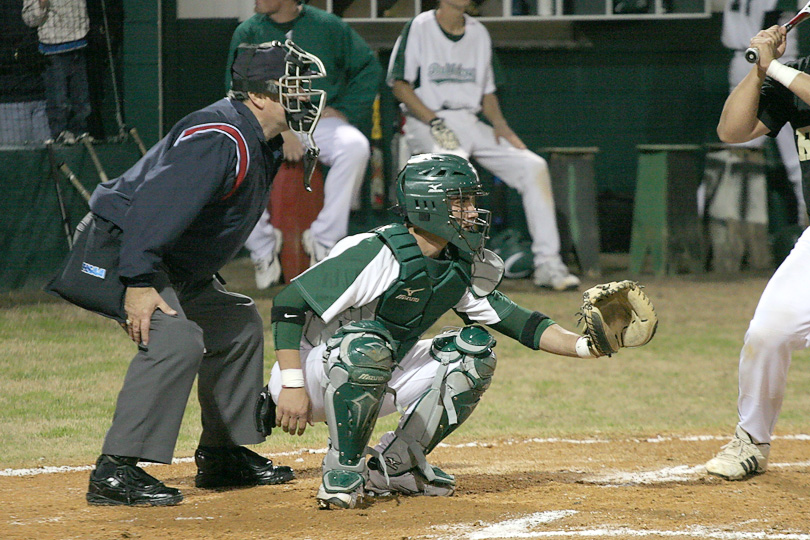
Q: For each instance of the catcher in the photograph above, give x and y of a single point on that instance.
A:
(347, 335)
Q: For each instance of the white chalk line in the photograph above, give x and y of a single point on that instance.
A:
(676, 471)
(523, 528)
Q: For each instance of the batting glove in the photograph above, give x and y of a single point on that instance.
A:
(443, 134)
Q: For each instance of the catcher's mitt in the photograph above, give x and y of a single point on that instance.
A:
(617, 314)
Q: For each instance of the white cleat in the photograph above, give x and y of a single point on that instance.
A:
(740, 458)
(553, 274)
(268, 270)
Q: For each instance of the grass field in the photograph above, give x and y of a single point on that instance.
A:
(61, 369)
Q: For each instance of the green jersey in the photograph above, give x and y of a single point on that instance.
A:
(367, 277)
(353, 74)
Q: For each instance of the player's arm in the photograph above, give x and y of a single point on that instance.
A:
(491, 109)
(531, 328)
(404, 92)
(739, 121)
(288, 315)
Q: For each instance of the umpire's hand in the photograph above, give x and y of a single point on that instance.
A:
(140, 303)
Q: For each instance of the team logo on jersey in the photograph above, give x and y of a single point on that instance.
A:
(449, 72)
(409, 294)
(803, 143)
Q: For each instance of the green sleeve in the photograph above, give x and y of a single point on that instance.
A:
(363, 75)
(238, 37)
(288, 335)
(397, 68)
(516, 321)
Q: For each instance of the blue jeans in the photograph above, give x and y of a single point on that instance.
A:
(67, 92)
(23, 122)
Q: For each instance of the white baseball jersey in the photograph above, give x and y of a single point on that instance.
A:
(742, 19)
(446, 72)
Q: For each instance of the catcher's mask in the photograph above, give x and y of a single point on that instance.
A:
(440, 193)
(285, 70)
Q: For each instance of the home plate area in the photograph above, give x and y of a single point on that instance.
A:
(596, 488)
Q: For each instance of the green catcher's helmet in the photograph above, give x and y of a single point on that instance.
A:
(426, 187)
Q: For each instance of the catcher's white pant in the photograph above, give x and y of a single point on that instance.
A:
(345, 150)
(410, 380)
(781, 325)
(522, 170)
(738, 68)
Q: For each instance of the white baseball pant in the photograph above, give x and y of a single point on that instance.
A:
(345, 150)
(781, 325)
(522, 170)
(410, 380)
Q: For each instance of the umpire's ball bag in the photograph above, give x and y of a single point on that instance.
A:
(89, 274)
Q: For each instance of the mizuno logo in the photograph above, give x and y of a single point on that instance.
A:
(435, 188)
(409, 295)
(94, 271)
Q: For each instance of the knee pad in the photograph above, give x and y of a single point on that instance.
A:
(468, 363)
(356, 380)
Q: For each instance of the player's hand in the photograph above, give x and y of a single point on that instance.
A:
(331, 112)
(139, 304)
(503, 131)
(770, 43)
(293, 411)
(293, 148)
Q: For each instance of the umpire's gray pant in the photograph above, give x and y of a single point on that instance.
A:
(216, 335)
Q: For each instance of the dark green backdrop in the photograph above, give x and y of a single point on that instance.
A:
(613, 85)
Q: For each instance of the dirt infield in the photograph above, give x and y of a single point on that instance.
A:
(596, 488)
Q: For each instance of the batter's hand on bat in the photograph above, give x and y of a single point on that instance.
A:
(140, 303)
(293, 411)
(770, 43)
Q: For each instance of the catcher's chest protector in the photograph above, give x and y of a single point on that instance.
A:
(416, 300)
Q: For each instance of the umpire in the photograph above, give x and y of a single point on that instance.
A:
(180, 214)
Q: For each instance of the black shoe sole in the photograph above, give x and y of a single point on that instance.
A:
(210, 481)
(94, 499)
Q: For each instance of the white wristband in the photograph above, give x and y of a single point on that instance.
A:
(583, 350)
(781, 73)
(292, 378)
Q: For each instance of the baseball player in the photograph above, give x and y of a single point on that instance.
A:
(771, 95)
(349, 328)
(179, 214)
(741, 20)
(441, 72)
(353, 76)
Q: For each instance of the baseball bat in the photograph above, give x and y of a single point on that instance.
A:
(59, 199)
(96, 162)
(752, 53)
(75, 181)
(133, 132)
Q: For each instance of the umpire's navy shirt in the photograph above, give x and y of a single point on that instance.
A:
(190, 203)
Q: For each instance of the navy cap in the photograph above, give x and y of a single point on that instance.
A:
(258, 64)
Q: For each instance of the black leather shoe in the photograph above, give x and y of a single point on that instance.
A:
(236, 466)
(118, 481)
